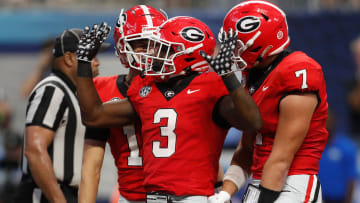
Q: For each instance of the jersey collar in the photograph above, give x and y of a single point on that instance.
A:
(257, 76)
(169, 90)
(122, 87)
(65, 78)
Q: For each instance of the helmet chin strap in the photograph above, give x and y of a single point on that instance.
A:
(251, 41)
(261, 56)
(187, 51)
(248, 44)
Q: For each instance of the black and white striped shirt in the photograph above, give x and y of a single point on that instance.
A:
(53, 105)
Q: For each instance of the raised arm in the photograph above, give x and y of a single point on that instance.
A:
(94, 112)
(238, 108)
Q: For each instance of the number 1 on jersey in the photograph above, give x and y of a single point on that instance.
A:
(304, 77)
(134, 159)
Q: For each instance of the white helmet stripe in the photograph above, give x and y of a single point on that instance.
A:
(147, 15)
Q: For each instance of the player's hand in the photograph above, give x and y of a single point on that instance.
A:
(91, 41)
(222, 63)
(221, 197)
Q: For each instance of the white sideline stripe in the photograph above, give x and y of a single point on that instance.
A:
(36, 197)
(312, 193)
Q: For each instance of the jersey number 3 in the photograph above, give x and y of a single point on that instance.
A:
(165, 131)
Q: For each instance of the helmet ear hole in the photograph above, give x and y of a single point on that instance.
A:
(189, 59)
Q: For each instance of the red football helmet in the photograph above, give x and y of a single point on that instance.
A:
(135, 24)
(176, 47)
(262, 31)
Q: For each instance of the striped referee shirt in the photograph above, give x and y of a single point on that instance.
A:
(53, 105)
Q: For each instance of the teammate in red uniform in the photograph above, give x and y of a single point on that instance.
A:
(125, 142)
(289, 89)
(184, 114)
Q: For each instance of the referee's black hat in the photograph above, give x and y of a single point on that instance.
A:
(69, 41)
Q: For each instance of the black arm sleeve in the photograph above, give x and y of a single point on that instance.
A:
(100, 134)
(217, 118)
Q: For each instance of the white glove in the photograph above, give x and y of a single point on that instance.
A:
(221, 197)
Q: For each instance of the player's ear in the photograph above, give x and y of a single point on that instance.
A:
(70, 58)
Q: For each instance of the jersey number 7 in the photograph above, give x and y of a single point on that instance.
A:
(304, 77)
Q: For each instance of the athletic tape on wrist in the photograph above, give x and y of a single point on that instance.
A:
(236, 175)
(232, 81)
(224, 196)
(84, 69)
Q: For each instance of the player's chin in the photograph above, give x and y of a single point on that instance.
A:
(96, 73)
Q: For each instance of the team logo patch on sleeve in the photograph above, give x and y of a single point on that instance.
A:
(192, 34)
(144, 91)
(248, 24)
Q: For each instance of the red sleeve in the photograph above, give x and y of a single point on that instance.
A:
(302, 77)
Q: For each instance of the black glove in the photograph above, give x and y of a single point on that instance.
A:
(222, 62)
(267, 195)
(91, 41)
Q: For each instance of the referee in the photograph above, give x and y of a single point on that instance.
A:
(54, 136)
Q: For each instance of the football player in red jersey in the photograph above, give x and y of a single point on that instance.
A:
(125, 142)
(289, 89)
(185, 111)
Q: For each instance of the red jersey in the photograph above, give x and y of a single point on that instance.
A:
(291, 73)
(181, 141)
(125, 143)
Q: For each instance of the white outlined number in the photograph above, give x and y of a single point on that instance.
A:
(304, 77)
(167, 131)
(134, 159)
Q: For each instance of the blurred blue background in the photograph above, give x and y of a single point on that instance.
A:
(323, 29)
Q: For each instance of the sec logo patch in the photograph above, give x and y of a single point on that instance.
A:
(144, 91)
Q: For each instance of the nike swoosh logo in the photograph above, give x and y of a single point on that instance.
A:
(192, 91)
(265, 88)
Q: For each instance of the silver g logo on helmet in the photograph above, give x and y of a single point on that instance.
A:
(248, 24)
(192, 34)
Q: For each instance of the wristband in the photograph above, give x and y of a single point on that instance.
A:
(232, 81)
(236, 175)
(224, 196)
(267, 195)
(84, 69)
